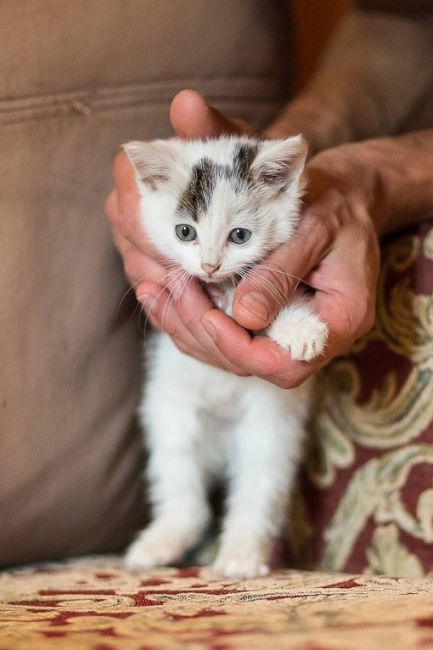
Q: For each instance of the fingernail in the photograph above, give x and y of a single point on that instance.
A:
(256, 304)
(210, 328)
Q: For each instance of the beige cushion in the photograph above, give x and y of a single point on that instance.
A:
(79, 78)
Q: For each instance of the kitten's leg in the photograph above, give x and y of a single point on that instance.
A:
(264, 462)
(176, 481)
(299, 330)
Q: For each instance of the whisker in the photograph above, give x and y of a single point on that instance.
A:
(189, 278)
(262, 283)
(255, 278)
(274, 291)
(272, 269)
(175, 288)
(133, 285)
(123, 298)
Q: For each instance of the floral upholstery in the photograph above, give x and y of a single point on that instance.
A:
(95, 605)
(368, 503)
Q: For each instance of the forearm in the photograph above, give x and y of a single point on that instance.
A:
(391, 177)
(402, 171)
(376, 68)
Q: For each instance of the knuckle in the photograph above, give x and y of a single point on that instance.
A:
(326, 221)
(369, 319)
(119, 162)
(241, 373)
(288, 382)
(364, 315)
(281, 279)
(152, 320)
(355, 312)
(179, 343)
(128, 223)
(275, 282)
(281, 382)
(173, 332)
(350, 325)
(110, 207)
(190, 324)
(129, 267)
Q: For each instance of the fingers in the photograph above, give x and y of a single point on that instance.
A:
(172, 304)
(191, 338)
(347, 286)
(157, 283)
(192, 308)
(192, 117)
(269, 286)
(345, 300)
(122, 207)
(258, 355)
(261, 357)
(140, 258)
(331, 251)
(111, 206)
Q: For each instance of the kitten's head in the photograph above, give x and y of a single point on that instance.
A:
(218, 206)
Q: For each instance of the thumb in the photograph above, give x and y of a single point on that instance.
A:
(269, 285)
(192, 117)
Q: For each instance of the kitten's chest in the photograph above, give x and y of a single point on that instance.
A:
(220, 395)
(214, 393)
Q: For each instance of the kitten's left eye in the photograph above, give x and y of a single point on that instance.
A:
(240, 235)
(184, 232)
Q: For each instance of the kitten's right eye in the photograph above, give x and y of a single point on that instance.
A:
(184, 232)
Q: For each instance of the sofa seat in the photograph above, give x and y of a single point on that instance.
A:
(93, 604)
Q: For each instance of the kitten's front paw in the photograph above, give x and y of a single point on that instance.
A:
(303, 335)
(240, 565)
(154, 547)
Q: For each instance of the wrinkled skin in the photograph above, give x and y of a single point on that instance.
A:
(335, 251)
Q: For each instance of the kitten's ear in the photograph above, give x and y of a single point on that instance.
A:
(281, 162)
(154, 162)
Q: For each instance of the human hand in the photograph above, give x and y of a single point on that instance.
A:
(335, 251)
(154, 280)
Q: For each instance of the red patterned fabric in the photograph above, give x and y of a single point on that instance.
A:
(95, 605)
(368, 504)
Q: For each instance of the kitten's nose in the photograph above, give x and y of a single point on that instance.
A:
(210, 268)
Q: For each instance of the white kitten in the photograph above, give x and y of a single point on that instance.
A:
(215, 208)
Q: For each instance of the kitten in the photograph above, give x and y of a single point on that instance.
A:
(215, 208)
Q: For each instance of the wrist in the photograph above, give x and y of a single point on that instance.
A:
(320, 122)
(390, 177)
(403, 169)
(343, 175)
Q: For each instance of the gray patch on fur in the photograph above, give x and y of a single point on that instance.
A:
(243, 159)
(196, 197)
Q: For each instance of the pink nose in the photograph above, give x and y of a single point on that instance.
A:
(210, 268)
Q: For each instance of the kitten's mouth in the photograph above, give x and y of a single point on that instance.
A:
(215, 290)
(234, 277)
(214, 279)
(216, 294)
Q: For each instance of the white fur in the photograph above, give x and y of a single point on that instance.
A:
(203, 423)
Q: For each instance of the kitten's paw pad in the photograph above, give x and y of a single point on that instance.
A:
(305, 341)
(240, 566)
(151, 550)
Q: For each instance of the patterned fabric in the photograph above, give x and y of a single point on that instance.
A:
(369, 500)
(95, 605)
